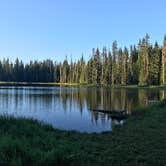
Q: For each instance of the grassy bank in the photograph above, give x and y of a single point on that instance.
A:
(78, 85)
(141, 141)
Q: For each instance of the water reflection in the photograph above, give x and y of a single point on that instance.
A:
(69, 108)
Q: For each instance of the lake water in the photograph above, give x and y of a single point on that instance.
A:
(68, 108)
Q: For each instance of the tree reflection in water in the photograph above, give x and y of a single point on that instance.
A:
(69, 107)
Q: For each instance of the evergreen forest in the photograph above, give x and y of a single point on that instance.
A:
(141, 64)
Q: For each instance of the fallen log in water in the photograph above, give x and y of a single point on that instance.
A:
(118, 115)
(109, 111)
(151, 101)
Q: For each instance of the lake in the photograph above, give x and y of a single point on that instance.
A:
(69, 108)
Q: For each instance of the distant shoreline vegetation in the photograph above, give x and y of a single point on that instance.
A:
(81, 85)
(142, 65)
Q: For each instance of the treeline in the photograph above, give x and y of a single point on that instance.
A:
(143, 64)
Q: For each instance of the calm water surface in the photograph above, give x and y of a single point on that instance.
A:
(68, 108)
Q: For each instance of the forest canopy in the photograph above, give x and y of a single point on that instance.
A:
(142, 64)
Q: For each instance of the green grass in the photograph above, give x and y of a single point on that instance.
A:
(140, 142)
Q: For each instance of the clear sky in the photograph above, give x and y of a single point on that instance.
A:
(40, 29)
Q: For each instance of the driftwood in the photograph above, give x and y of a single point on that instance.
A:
(151, 101)
(114, 114)
(108, 111)
(119, 117)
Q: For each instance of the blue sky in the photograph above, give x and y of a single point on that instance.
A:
(41, 29)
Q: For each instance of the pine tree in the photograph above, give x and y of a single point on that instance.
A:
(82, 70)
(1, 72)
(96, 69)
(119, 66)
(144, 61)
(89, 71)
(124, 67)
(154, 65)
(109, 68)
(114, 65)
(56, 73)
(133, 66)
(16, 70)
(64, 72)
(104, 66)
(163, 63)
(71, 71)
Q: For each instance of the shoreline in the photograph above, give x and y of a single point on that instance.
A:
(2, 83)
